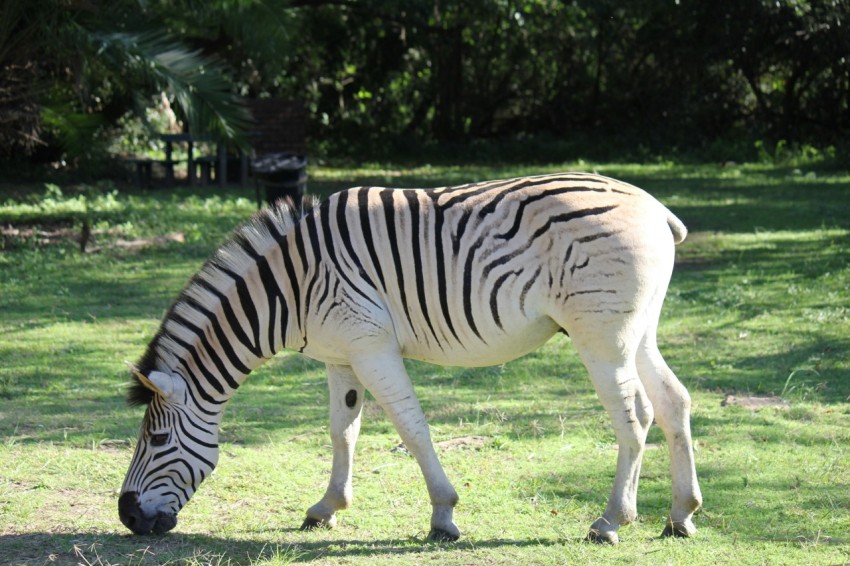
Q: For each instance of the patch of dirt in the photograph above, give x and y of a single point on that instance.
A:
(475, 442)
(754, 403)
(145, 242)
(52, 235)
(42, 235)
(463, 442)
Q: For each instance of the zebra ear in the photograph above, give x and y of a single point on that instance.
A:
(163, 383)
(160, 383)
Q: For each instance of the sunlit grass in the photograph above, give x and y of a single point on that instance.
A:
(758, 305)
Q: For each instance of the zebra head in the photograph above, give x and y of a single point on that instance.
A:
(177, 449)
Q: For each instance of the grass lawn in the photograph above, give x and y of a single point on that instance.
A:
(759, 306)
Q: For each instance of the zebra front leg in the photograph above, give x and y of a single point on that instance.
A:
(386, 378)
(346, 403)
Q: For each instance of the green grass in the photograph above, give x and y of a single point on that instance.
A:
(759, 305)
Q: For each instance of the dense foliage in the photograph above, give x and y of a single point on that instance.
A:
(385, 75)
(676, 72)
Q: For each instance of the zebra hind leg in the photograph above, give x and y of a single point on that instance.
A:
(614, 376)
(346, 403)
(672, 411)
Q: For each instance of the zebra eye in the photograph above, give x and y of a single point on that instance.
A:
(159, 439)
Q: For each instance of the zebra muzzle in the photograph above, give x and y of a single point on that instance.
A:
(135, 519)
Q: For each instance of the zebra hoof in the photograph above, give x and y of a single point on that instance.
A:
(311, 524)
(684, 529)
(439, 535)
(602, 537)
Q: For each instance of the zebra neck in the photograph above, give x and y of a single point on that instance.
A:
(239, 310)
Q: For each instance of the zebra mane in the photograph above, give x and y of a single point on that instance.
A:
(266, 228)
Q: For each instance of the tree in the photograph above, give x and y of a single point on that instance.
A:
(69, 67)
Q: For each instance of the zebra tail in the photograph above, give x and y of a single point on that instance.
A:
(679, 230)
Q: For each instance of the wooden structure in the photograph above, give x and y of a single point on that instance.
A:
(279, 127)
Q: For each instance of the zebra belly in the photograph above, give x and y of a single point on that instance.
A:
(493, 348)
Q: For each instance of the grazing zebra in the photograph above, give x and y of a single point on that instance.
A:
(467, 276)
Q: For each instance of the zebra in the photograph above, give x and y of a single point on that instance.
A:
(471, 275)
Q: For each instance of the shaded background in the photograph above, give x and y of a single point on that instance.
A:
(495, 79)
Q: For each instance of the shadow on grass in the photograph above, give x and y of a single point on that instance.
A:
(100, 549)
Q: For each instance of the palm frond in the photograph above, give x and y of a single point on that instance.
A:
(198, 82)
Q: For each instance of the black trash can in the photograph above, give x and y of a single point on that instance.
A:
(281, 175)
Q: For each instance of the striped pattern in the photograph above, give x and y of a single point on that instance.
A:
(447, 264)
(171, 465)
(470, 275)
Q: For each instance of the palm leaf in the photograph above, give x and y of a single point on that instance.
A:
(198, 82)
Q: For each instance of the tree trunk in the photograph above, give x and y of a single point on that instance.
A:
(447, 52)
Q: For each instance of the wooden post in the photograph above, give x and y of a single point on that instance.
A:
(169, 164)
(190, 163)
(243, 162)
(222, 165)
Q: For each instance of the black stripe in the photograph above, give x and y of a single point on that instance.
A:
(224, 339)
(534, 198)
(389, 215)
(267, 218)
(170, 467)
(171, 483)
(590, 238)
(313, 236)
(164, 453)
(442, 291)
(191, 392)
(212, 352)
(566, 261)
(577, 266)
(416, 245)
(246, 301)
(514, 185)
(494, 295)
(590, 292)
(334, 304)
(566, 217)
(294, 286)
(299, 245)
(324, 217)
(176, 495)
(491, 206)
(279, 237)
(366, 230)
(461, 229)
(229, 314)
(200, 424)
(501, 260)
(308, 298)
(327, 287)
(208, 375)
(465, 194)
(199, 457)
(273, 291)
(345, 235)
(526, 288)
(467, 288)
(193, 438)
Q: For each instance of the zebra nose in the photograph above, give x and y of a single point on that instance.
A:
(134, 518)
(131, 513)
